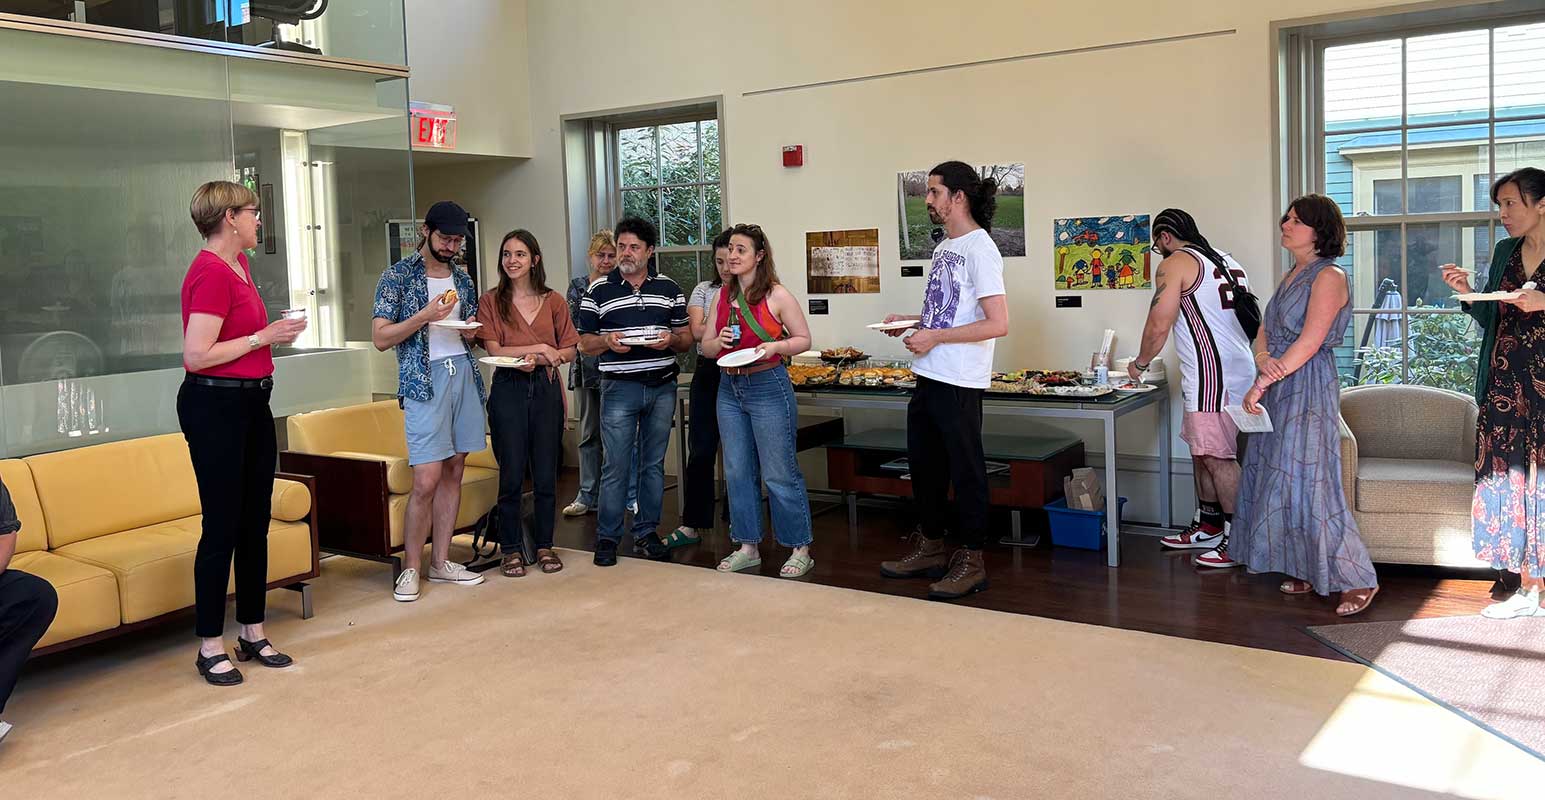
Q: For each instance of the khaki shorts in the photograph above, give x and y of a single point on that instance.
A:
(1209, 434)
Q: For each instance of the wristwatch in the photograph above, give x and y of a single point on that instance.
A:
(1141, 367)
(253, 342)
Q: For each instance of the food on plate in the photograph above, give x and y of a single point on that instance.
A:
(811, 374)
(843, 354)
(448, 296)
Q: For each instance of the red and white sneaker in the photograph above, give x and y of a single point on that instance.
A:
(1218, 557)
(1194, 537)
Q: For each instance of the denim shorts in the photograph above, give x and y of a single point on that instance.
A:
(452, 420)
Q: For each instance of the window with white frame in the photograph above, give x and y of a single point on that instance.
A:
(669, 173)
(1409, 129)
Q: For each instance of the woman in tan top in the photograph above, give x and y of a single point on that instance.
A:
(523, 318)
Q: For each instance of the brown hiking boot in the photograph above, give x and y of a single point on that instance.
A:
(928, 559)
(967, 575)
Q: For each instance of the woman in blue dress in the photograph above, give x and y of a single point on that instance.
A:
(1292, 516)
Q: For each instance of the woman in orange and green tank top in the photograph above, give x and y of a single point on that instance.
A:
(757, 412)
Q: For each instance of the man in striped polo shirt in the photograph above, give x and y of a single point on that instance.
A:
(636, 323)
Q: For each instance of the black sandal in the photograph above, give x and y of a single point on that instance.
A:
(230, 677)
(246, 651)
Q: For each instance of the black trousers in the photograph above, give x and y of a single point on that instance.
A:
(944, 448)
(525, 418)
(230, 435)
(27, 607)
(703, 441)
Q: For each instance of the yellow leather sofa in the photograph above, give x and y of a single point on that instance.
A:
(359, 457)
(114, 528)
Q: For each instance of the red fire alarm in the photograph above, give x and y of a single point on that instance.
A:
(794, 155)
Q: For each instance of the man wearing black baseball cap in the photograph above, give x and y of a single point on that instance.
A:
(422, 308)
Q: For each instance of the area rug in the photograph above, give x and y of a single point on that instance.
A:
(649, 680)
(1492, 672)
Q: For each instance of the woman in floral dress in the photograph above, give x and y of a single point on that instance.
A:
(1292, 516)
(1510, 390)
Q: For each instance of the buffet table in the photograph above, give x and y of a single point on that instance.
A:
(1106, 409)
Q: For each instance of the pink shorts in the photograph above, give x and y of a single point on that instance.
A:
(1209, 434)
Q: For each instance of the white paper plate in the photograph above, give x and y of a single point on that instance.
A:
(460, 325)
(741, 358)
(1141, 388)
(503, 361)
(1471, 297)
(898, 325)
(633, 341)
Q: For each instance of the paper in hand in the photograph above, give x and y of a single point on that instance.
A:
(1247, 422)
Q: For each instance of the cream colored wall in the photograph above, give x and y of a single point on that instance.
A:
(1083, 123)
(471, 54)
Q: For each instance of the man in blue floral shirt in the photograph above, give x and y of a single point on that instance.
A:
(422, 303)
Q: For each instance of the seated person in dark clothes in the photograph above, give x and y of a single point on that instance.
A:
(27, 606)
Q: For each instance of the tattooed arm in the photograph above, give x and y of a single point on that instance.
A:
(1173, 274)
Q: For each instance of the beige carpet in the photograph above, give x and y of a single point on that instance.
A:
(1487, 670)
(663, 681)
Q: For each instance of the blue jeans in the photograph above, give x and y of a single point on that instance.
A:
(635, 428)
(589, 402)
(758, 420)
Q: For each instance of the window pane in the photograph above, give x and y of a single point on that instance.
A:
(636, 152)
(1519, 71)
(1372, 263)
(1347, 355)
(1446, 77)
(1428, 247)
(681, 268)
(642, 203)
(1519, 144)
(678, 153)
(1483, 242)
(710, 150)
(1353, 162)
(712, 211)
(1443, 349)
(1362, 85)
(683, 216)
(1376, 355)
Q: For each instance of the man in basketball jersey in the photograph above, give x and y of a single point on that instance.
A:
(1193, 297)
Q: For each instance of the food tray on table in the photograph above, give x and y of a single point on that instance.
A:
(878, 374)
(1055, 383)
(812, 374)
(843, 355)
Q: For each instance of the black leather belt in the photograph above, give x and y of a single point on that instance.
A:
(231, 383)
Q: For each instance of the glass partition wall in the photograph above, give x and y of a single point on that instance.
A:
(109, 143)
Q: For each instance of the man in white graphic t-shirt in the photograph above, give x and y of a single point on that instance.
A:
(964, 310)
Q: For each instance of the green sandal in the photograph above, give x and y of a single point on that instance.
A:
(739, 562)
(797, 566)
(679, 538)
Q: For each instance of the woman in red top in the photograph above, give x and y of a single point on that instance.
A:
(521, 317)
(757, 412)
(223, 410)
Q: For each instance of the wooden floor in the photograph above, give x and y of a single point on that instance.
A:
(1153, 590)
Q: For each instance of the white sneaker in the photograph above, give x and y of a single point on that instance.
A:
(406, 589)
(1521, 604)
(1194, 537)
(1218, 557)
(5, 729)
(452, 572)
(576, 509)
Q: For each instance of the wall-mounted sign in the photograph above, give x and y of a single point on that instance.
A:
(433, 126)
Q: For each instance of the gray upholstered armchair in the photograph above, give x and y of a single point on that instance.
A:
(1408, 469)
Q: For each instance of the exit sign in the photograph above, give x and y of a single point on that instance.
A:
(433, 126)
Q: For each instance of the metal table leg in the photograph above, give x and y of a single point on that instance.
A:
(1166, 476)
(1112, 494)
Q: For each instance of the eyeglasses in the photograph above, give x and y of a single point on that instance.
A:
(453, 242)
(257, 213)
